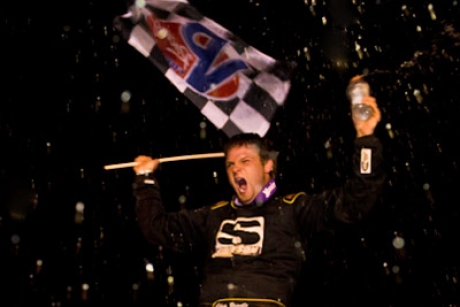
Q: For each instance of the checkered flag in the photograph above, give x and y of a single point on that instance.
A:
(237, 87)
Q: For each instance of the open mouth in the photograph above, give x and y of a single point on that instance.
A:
(242, 185)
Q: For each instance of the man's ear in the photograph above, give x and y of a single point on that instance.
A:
(269, 165)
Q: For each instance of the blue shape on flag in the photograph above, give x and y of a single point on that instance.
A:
(206, 75)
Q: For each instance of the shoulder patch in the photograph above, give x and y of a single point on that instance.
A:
(219, 204)
(290, 198)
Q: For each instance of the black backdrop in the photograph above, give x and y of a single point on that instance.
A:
(62, 119)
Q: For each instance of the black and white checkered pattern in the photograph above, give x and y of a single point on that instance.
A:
(262, 88)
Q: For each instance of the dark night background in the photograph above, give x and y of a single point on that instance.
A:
(62, 118)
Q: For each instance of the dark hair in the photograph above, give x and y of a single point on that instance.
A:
(265, 151)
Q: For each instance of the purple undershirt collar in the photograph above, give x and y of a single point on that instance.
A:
(265, 194)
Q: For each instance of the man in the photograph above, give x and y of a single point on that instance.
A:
(255, 240)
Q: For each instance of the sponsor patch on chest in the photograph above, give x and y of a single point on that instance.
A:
(242, 236)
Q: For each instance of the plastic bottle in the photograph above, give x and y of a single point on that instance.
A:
(356, 90)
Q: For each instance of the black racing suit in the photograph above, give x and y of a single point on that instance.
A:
(256, 251)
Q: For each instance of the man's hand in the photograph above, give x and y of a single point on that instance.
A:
(145, 165)
(367, 127)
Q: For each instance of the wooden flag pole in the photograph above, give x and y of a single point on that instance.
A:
(168, 159)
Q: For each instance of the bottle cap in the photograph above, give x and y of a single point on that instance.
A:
(357, 88)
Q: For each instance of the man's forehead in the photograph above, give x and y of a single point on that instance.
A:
(243, 149)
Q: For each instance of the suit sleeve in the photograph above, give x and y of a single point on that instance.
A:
(354, 199)
(179, 231)
(364, 187)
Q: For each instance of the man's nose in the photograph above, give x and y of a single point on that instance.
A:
(235, 168)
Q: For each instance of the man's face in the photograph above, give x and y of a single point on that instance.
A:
(246, 173)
